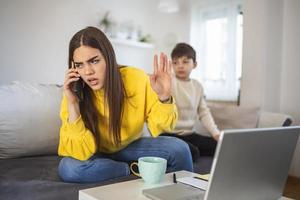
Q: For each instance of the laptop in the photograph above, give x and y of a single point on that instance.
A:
(249, 164)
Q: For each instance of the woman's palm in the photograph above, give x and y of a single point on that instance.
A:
(161, 78)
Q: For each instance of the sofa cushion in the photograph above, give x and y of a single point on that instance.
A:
(36, 178)
(29, 119)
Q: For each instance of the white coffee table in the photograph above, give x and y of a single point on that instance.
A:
(131, 190)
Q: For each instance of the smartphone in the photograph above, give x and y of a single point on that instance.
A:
(77, 87)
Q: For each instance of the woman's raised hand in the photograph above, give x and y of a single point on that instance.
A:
(70, 76)
(161, 78)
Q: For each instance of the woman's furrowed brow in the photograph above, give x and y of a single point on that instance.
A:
(89, 60)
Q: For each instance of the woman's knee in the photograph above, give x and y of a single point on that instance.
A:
(180, 154)
(68, 169)
(177, 146)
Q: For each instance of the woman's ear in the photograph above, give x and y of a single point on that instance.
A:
(195, 65)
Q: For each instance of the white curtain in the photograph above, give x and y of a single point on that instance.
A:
(216, 34)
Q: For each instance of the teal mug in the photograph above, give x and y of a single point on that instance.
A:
(152, 169)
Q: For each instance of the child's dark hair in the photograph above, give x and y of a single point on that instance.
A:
(183, 49)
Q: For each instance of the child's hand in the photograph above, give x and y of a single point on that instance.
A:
(161, 78)
(216, 136)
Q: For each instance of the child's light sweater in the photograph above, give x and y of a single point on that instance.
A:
(191, 105)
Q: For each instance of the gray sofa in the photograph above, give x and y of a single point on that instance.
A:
(29, 132)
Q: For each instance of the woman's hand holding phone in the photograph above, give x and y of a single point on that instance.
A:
(73, 102)
(70, 77)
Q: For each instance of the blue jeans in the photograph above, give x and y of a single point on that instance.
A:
(102, 167)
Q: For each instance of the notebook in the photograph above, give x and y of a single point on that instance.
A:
(178, 191)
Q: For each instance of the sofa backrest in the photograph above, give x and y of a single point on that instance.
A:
(29, 119)
(235, 117)
(231, 117)
(271, 119)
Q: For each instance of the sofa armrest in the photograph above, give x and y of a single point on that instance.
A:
(270, 119)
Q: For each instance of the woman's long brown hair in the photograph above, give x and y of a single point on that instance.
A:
(114, 92)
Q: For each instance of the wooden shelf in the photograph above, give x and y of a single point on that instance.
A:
(131, 43)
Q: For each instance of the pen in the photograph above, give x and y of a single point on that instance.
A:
(200, 178)
(174, 178)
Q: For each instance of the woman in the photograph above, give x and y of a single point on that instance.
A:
(101, 134)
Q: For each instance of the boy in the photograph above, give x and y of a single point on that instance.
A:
(189, 98)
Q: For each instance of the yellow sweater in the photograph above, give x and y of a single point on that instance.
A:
(141, 105)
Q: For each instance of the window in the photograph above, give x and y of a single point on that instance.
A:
(216, 34)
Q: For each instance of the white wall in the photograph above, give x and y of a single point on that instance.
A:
(253, 54)
(290, 77)
(35, 34)
(271, 60)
